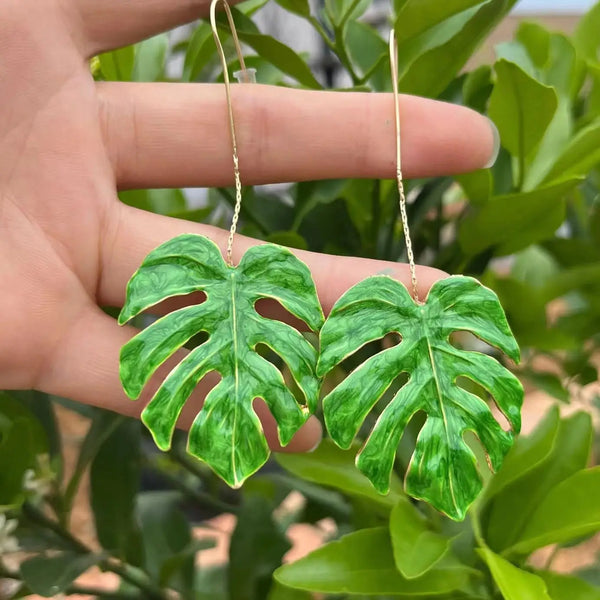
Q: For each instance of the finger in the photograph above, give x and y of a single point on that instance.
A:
(166, 135)
(112, 24)
(86, 368)
(135, 233)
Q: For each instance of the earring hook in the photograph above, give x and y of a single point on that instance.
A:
(399, 177)
(244, 76)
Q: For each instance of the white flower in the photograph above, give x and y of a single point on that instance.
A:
(40, 481)
(8, 543)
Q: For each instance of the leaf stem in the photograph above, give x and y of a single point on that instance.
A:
(132, 575)
(78, 590)
(337, 45)
(551, 557)
(372, 69)
(198, 496)
(321, 31)
(342, 54)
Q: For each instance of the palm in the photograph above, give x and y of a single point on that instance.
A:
(67, 245)
(56, 193)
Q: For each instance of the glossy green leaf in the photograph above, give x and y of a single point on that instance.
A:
(477, 88)
(477, 186)
(528, 452)
(49, 576)
(536, 39)
(586, 35)
(568, 280)
(568, 511)
(363, 563)
(341, 12)
(14, 407)
(555, 139)
(298, 7)
(333, 467)
(368, 51)
(290, 239)
(417, 16)
(580, 155)
(16, 456)
(280, 592)
(41, 407)
(567, 587)
(513, 222)
(118, 64)
(435, 68)
(416, 548)
(515, 52)
(512, 508)
(256, 550)
(443, 468)
(114, 483)
(103, 424)
(200, 50)
(521, 107)
(163, 202)
(22, 440)
(166, 538)
(514, 583)
(150, 58)
(565, 70)
(547, 382)
(181, 560)
(226, 434)
(279, 55)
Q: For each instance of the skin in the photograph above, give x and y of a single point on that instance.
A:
(67, 144)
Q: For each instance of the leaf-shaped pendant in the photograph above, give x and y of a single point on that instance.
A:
(443, 468)
(226, 434)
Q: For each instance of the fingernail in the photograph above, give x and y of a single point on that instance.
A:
(315, 446)
(496, 148)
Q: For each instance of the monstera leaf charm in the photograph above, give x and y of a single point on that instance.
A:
(443, 468)
(226, 434)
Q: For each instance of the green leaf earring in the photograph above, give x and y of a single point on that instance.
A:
(226, 433)
(443, 469)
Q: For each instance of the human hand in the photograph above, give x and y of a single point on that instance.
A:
(68, 246)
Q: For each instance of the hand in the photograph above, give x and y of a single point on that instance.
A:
(68, 246)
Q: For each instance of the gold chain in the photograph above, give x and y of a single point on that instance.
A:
(399, 178)
(236, 161)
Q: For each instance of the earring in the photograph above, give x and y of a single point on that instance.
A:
(226, 433)
(442, 470)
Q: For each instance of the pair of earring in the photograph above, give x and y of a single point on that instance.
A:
(227, 434)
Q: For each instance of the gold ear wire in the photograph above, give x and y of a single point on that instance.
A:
(399, 177)
(244, 76)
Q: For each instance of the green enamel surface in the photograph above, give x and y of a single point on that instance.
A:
(443, 469)
(226, 433)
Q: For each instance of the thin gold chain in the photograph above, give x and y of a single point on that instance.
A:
(399, 178)
(236, 161)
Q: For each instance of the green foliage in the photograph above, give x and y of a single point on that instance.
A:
(49, 576)
(363, 563)
(514, 583)
(416, 547)
(537, 208)
(443, 469)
